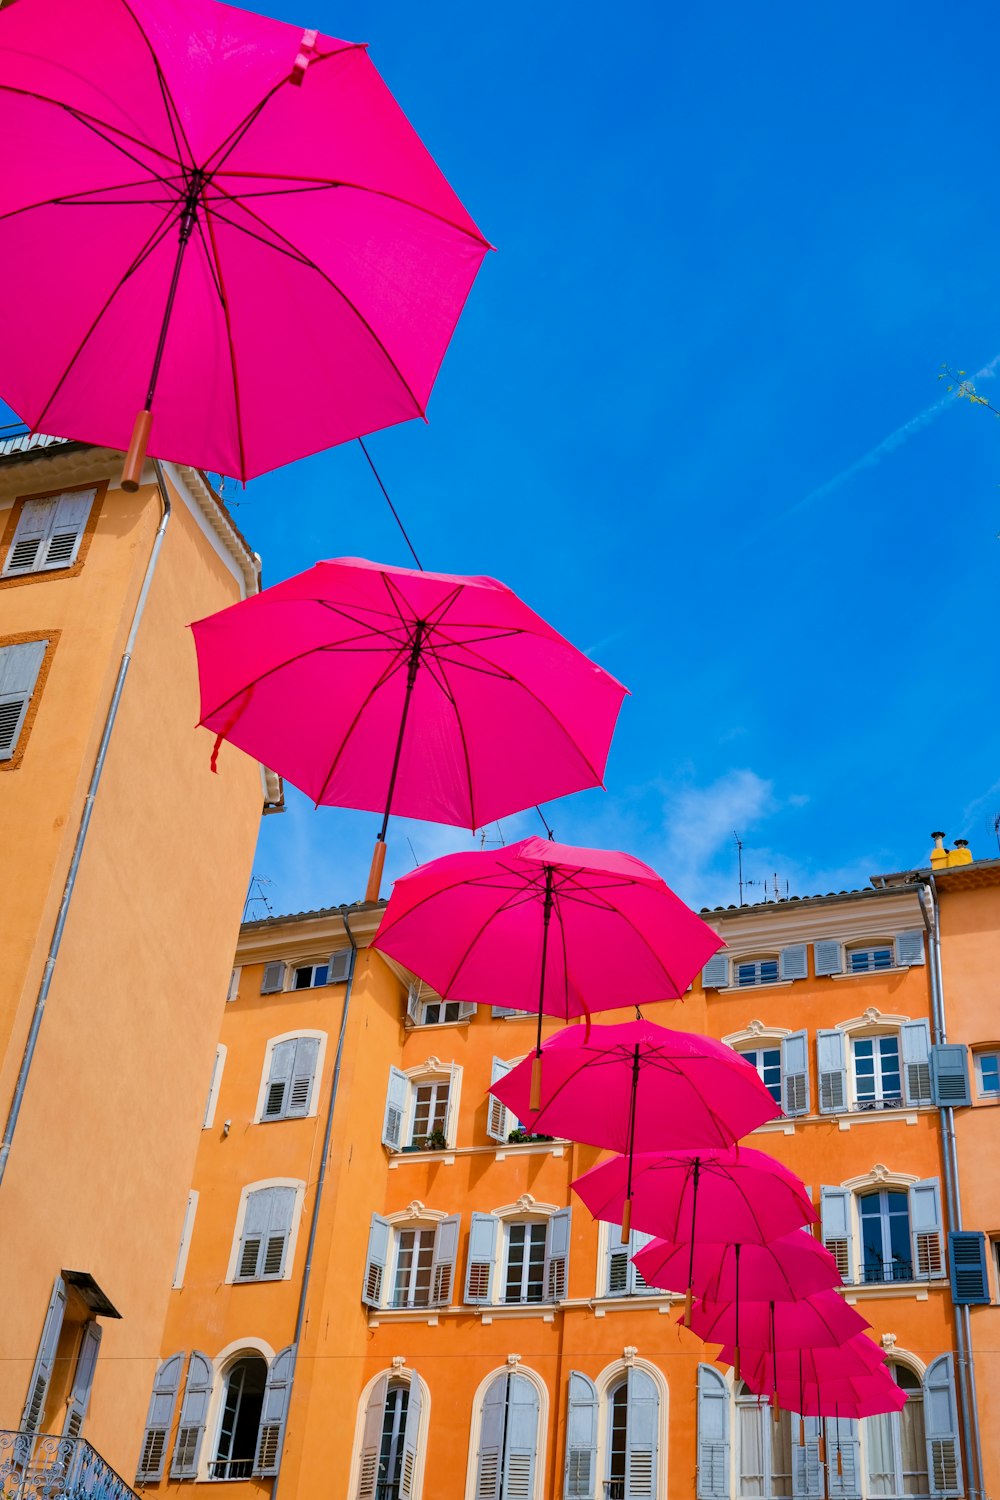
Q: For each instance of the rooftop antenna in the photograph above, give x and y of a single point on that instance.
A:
(996, 829)
(257, 895)
(498, 843)
(739, 861)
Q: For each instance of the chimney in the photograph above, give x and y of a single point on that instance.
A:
(939, 854)
(961, 854)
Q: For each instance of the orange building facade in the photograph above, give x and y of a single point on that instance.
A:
(115, 951)
(385, 1292)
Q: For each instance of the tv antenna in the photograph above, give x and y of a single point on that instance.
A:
(498, 843)
(257, 896)
(739, 861)
(996, 829)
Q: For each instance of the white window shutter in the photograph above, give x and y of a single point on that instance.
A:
(715, 974)
(396, 1099)
(491, 1440)
(159, 1417)
(910, 947)
(213, 1086)
(844, 1478)
(795, 1074)
(83, 1379)
(274, 1412)
(340, 966)
(373, 1289)
(713, 1435)
(371, 1439)
(451, 1113)
(944, 1453)
(837, 1227)
(413, 1003)
(194, 1410)
(41, 1375)
(521, 1438)
(828, 957)
(616, 1280)
(641, 1437)
(927, 1229)
(27, 547)
(279, 1232)
(279, 1080)
(306, 1057)
(915, 1037)
(19, 668)
(443, 1264)
(466, 1010)
(498, 1125)
(557, 1255)
(274, 978)
(187, 1229)
(807, 1471)
(411, 1439)
(793, 962)
(66, 530)
(580, 1474)
(831, 1055)
(256, 1221)
(482, 1258)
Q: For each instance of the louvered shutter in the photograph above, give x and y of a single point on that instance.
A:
(445, 1255)
(41, 1374)
(371, 1439)
(837, 1228)
(793, 963)
(641, 1437)
(27, 548)
(274, 979)
(194, 1410)
(713, 1435)
(279, 1231)
(842, 1435)
(580, 1473)
(256, 1221)
(950, 1075)
(916, 1048)
(617, 1258)
(303, 1075)
(274, 1413)
(491, 1433)
(521, 1440)
(944, 1455)
(638, 1240)
(498, 1124)
(832, 1064)
(159, 1417)
(339, 969)
(970, 1285)
(828, 957)
(926, 1228)
(715, 974)
(19, 668)
(83, 1379)
(373, 1287)
(482, 1257)
(278, 1081)
(807, 1472)
(910, 948)
(557, 1255)
(795, 1074)
(66, 531)
(498, 1012)
(411, 1437)
(413, 1004)
(395, 1109)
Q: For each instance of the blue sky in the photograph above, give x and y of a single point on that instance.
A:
(691, 414)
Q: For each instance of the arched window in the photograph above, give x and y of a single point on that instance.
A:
(896, 1442)
(508, 1439)
(763, 1448)
(389, 1437)
(242, 1404)
(633, 1419)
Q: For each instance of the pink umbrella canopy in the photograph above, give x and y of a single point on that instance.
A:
(850, 1397)
(822, 1319)
(783, 1270)
(816, 1366)
(222, 219)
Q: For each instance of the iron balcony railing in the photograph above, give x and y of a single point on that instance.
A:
(895, 1270)
(45, 1466)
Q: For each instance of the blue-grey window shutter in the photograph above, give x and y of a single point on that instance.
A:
(413, 1003)
(950, 1075)
(837, 1227)
(274, 1412)
(970, 1285)
(795, 1074)
(713, 1435)
(279, 1080)
(499, 1122)
(618, 1260)
(159, 1417)
(411, 1438)
(482, 1255)
(305, 1058)
(916, 1047)
(41, 1374)
(842, 1435)
(371, 1439)
(828, 957)
(396, 1098)
(557, 1255)
(373, 1287)
(521, 1444)
(910, 947)
(927, 1229)
(27, 548)
(580, 1472)
(194, 1410)
(445, 1256)
(274, 979)
(19, 668)
(831, 1058)
(807, 1472)
(339, 970)
(256, 1221)
(715, 974)
(83, 1379)
(944, 1455)
(637, 1241)
(68, 524)
(491, 1435)
(279, 1230)
(641, 1437)
(793, 963)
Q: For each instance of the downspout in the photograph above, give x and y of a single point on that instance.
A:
(300, 1315)
(963, 1323)
(81, 835)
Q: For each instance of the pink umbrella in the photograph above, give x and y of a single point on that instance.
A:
(822, 1319)
(639, 1085)
(817, 1366)
(478, 926)
(222, 212)
(424, 694)
(703, 1197)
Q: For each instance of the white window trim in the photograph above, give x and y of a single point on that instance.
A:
(756, 956)
(873, 1023)
(233, 992)
(184, 1248)
(878, 1178)
(221, 1053)
(624, 1299)
(396, 1372)
(512, 1367)
(430, 1071)
(610, 1376)
(987, 1049)
(254, 1187)
(216, 1402)
(275, 1041)
(757, 1034)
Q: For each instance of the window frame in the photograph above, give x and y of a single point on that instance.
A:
(70, 569)
(11, 760)
(526, 1222)
(751, 1050)
(871, 946)
(300, 1033)
(983, 1095)
(743, 1399)
(232, 1273)
(879, 1099)
(540, 1476)
(755, 961)
(396, 1373)
(223, 1378)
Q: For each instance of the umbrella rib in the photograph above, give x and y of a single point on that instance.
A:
(498, 911)
(165, 93)
(449, 694)
(72, 200)
(84, 118)
(389, 672)
(380, 632)
(211, 241)
(255, 681)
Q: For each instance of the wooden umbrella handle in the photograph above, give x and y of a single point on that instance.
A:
(136, 455)
(375, 873)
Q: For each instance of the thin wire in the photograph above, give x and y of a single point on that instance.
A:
(395, 512)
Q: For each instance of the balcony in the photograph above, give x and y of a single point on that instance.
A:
(45, 1466)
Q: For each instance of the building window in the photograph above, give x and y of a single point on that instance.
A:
(419, 1110)
(291, 1077)
(390, 1453)
(410, 1265)
(524, 1276)
(243, 1401)
(430, 1110)
(48, 533)
(425, 1008)
(622, 1277)
(533, 1261)
(896, 1442)
(414, 1262)
(617, 1442)
(507, 1450)
(877, 1076)
(753, 971)
(885, 1236)
(310, 976)
(763, 1449)
(988, 1074)
(387, 1467)
(871, 958)
(19, 668)
(767, 1061)
(262, 1254)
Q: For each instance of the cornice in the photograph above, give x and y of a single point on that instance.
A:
(285, 937)
(875, 913)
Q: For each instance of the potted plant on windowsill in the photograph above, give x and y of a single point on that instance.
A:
(435, 1141)
(521, 1137)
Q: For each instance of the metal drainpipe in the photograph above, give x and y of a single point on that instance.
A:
(81, 835)
(300, 1315)
(963, 1322)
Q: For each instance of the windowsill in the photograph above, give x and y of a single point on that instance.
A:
(869, 1291)
(281, 1119)
(663, 1302)
(501, 1152)
(446, 1156)
(783, 1126)
(872, 973)
(429, 1315)
(504, 1311)
(848, 1118)
(412, 1025)
(755, 989)
(980, 1100)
